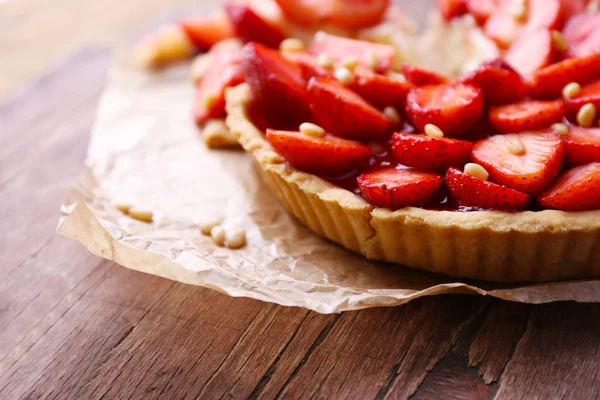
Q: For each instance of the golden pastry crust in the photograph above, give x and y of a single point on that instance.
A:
(489, 245)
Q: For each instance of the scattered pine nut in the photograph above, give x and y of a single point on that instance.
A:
(397, 76)
(571, 90)
(217, 234)
(344, 75)
(433, 131)
(392, 114)
(560, 128)
(311, 129)
(141, 214)
(236, 239)
(477, 171)
(291, 44)
(324, 60)
(350, 62)
(559, 42)
(122, 206)
(587, 115)
(516, 147)
(207, 225)
(370, 58)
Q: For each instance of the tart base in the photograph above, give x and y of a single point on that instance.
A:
(496, 246)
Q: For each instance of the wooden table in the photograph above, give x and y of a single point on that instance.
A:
(73, 325)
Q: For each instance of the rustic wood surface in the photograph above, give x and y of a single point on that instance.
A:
(75, 326)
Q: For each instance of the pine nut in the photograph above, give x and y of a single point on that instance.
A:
(477, 171)
(141, 214)
(587, 115)
(217, 234)
(350, 62)
(313, 130)
(370, 58)
(571, 90)
(560, 128)
(324, 60)
(236, 239)
(344, 75)
(291, 44)
(397, 76)
(516, 147)
(207, 225)
(559, 42)
(122, 206)
(392, 114)
(433, 131)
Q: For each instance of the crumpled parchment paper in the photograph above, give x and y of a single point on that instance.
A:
(146, 149)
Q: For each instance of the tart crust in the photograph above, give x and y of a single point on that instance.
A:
(496, 246)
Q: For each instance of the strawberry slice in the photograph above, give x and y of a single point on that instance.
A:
(573, 7)
(454, 108)
(498, 81)
(529, 171)
(308, 63)
(397, 188)
(475, 192)
(575, 190)
(544, 14)
(582, 145)
(338, 48)
(250, 27)
(310, 12)
(531, 51)
(426, 152)
(277, 85)
(206, 31)
(590, 93)
(328, 155)
(481, 9)
(379, 90)
(421, 76)
(582, 32)
(354, 14)
(344, 113)
(225, 70)
(526, 115)
(548, 82)
(503, 28)
(452, 8)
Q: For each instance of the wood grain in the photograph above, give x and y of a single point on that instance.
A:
(75, 326)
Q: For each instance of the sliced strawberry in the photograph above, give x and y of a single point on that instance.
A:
(397, 188)
(526, 115)
(498, 81)
(326, 155)
(530, 171)
(426, 152)
(582, 32)
(354, 14)
(454, 108)
(575, 190)
(582, 145)
(544, 14)
(339, 48)
(344, 113)
(573, 7)
(250, 27)
(277, 85)
(380, 90)
(308, 63)
(590, 93)
(309, 12)
(475, 192)
(421, 76)
(225, 71)
(531, 51)
(452, 8)
(206, 31)
(481, 9)
(503, 28)
(548, 82)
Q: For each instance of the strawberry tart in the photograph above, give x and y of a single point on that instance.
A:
(480, 161)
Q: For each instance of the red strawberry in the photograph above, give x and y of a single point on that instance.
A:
(309, 12)
(544, 14)
(526, 115)
(206, 31)
(582, 145)
(575, 190)
(326, 155)
(421, 77)
(530, 171)
(397, 188)
(573, 7)
(353, 14)
(503, 28)
(426, 152)
(548, 82)
(308, 63)
(531, 51)
(454, 108)
(225, 71)
(590, 93)
(475, 192)
(277, 86)
(481, 9)
(344, 113)
(582, 32)
(339, 48)
(452, 8)
(250, 27)
(380, 90)
(498, 81)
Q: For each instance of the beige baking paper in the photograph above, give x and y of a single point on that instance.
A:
(146, 149)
